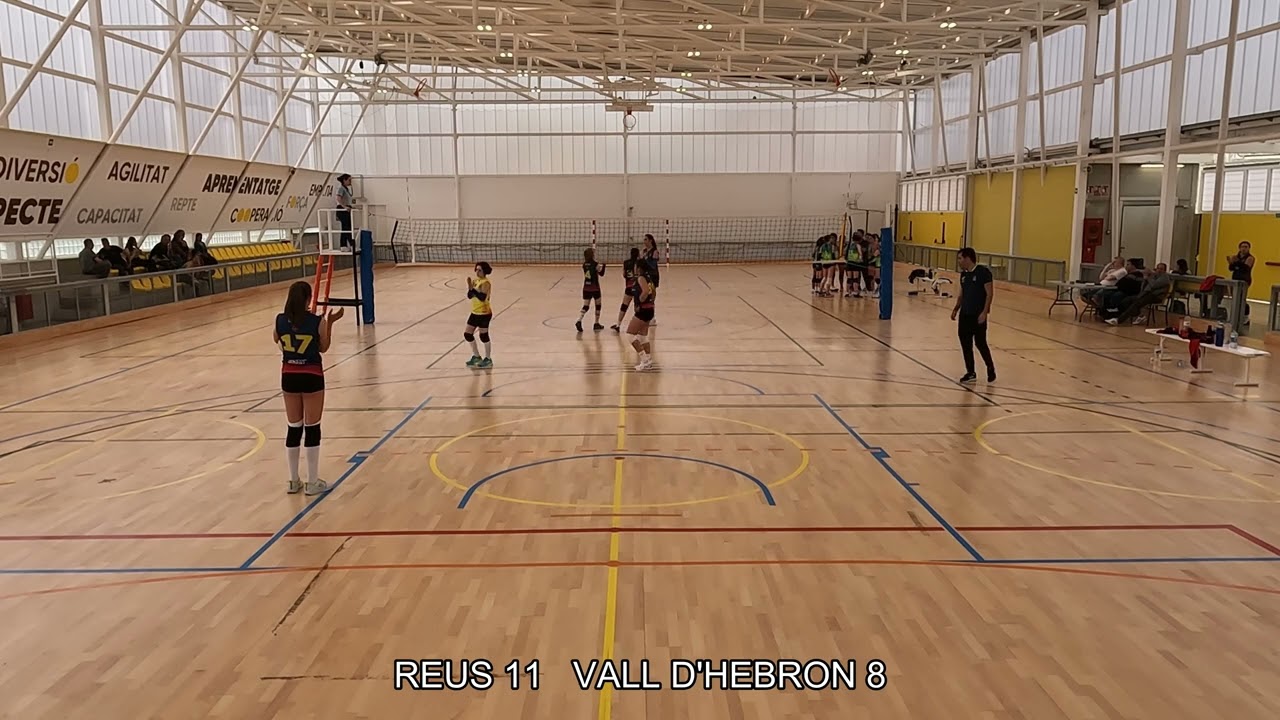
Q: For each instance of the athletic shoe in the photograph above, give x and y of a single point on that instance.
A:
(474, 361)
(615, 328)
(969, 378)
(597, 327)
(991, 376)
(1111, 321)
(1139, 321)
(875, 293)
(646, 364)
(295, 487)
(318, 487)
(578, 325)
(485, 363)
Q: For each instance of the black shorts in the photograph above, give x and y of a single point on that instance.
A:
(855, 267)
(817, 266)
(480, 321)
(590, 294)
(301, 383)
(645, 314)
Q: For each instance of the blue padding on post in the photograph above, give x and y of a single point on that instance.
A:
(366, 275)
(886, 273)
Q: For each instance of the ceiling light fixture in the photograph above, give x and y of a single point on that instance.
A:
(250, 27)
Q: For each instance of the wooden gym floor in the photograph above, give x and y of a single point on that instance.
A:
(1086, 538)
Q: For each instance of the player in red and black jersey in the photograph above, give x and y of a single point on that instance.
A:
(591, 272)
(645, 293)
(630, 270)
(302, 337)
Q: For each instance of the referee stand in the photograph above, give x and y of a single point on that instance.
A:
(336, 242)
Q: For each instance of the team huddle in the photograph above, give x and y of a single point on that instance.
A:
(858, 262)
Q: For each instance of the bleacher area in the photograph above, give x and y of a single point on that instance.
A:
(80, 298)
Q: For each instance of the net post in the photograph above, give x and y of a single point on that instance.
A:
(594, 235)
(886, 273)
(666, 240)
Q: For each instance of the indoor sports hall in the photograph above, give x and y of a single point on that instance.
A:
(585, 359)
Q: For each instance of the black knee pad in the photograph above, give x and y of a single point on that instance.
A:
(484, 337)
(293, 436)
(468, 336)
(312, 433)
(586, 306)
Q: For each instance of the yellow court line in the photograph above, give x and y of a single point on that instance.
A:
(1204, 460)
(615, 554)
(978, 435)
(97, 444)
(434, 463)
(260, 440)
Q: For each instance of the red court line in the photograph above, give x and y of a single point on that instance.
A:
(852, 529)
(641, 564)
(1255, 540)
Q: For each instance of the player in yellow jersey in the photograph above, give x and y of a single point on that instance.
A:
(480, 291)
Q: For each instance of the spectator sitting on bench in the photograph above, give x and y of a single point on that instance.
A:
(133, 256)
(1111, 300)
(1182, 268)
(1154, 290)
(113, 255)
(179, 252)
(91, 264)
(160, 255)
(200, 250)
(1108, 278)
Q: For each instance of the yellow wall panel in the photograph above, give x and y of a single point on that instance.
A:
(1044, 229)
(1262, 231)
(932, 228)
(990, 202)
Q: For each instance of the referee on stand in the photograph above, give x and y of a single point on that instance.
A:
(973, 305)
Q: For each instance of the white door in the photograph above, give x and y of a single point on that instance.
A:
(1139, 227)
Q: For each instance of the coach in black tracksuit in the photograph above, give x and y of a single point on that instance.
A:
(973, 305)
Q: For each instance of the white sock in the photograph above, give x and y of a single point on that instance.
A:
(475, 349)
(486, 349)
(313, 463)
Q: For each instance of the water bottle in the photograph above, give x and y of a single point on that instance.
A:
(1185, 331)
(1235, 340)
(1220, 335)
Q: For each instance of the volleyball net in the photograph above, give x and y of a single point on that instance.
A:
(561, 241)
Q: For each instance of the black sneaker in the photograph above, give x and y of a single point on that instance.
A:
(991, 376)
(969, 378)
(615, 328)
(597, 327)
(578, 325)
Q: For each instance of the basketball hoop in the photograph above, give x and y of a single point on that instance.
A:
(418, 92)
(834, 78)
(629, 120)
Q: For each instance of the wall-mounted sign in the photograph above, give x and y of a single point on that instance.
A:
(120, 195)
(306, 191)
(253, 204)
(1099, 190)
(38, 176)
(197, 196)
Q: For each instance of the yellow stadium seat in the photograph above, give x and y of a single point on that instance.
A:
(218, 274)
(141, 284)
(164, 281)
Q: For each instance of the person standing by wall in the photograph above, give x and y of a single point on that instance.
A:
(345, 202)
(973, 305)
(1241, 266)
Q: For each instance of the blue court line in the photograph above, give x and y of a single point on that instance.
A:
(882, 457)
(356, 461)
(1069, 561)
(764, 489)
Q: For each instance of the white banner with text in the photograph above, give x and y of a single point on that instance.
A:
(38, 176)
